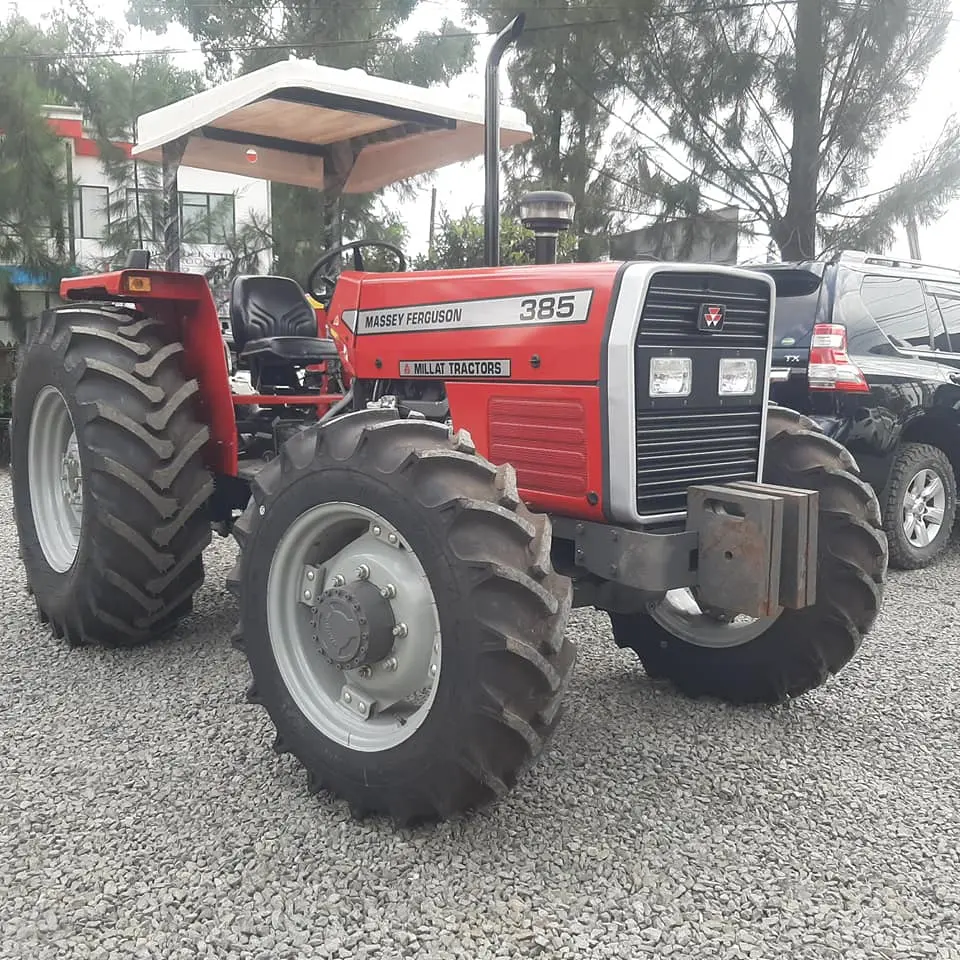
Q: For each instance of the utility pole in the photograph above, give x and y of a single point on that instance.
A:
(433, 215)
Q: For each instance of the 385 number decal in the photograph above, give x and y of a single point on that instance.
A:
(548, 308)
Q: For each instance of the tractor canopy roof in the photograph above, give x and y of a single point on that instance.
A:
(339, 130)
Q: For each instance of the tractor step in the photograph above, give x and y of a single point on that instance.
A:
(248, 469)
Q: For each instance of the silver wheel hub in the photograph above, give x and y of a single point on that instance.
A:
(56, 479)
(680, 613)
(71, 478)
(924, 504)
(354, 626)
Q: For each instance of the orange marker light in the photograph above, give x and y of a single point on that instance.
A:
(139, 284)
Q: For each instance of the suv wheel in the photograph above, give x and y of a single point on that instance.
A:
(920, 506)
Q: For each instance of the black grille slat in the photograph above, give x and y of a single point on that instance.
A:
(677, 449)
(673, 302)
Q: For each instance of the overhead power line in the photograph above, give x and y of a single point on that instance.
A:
(381, 41)
(287, 44)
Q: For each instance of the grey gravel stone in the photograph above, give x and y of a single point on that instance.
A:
(143, 814)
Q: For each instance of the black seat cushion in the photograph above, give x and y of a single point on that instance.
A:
(266, 307)
(290, 351)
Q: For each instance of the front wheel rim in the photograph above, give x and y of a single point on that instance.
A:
(680, 614)
(924, 505)
(320, 597)
(55, 476)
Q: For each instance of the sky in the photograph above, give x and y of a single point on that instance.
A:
(461, 186)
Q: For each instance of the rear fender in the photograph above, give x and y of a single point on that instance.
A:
(182, 301)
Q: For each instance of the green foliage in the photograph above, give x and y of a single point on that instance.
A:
(459, 244)
(32, 192)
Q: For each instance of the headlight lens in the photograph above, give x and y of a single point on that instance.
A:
(671, 376)
(738, 376)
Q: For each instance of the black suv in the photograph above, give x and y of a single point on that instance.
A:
(869, 348)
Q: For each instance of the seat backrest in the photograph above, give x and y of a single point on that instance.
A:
(263, 307)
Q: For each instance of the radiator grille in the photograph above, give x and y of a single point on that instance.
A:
(682, 447)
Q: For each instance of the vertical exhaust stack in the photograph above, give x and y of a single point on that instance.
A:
(491, 153)
(547, 213)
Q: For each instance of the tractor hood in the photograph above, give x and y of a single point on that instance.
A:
(344, 130)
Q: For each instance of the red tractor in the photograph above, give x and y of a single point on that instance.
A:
(420, 495)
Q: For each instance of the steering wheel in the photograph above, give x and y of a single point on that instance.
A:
(316, 271)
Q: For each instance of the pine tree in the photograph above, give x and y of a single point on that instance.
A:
(782, 105)
(32, 187)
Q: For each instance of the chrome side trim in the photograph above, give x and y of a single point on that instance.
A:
(766, 375)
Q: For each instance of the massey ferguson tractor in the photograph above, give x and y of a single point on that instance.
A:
(430, 469)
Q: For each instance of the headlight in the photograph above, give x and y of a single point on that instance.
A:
(670, 376)
(738, 376)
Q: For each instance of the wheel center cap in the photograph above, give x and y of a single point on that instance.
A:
(353, 625)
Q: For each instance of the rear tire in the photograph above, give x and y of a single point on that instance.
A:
(800, 649)
(467, 566)
(109, 485)
(915, 464)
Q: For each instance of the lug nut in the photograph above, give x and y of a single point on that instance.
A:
(392, 538)
(347, 698)
(400, 630)
(376, 530)
(364, 672)
(363, 572)
(361, 706)
(310, 574)
(433, 669)
(307, 594)
(388, 592)
(338, 581)
(390, 664)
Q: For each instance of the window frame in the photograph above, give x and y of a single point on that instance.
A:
(131, 202)
(78, 224)
(207, 208)
(937, 291)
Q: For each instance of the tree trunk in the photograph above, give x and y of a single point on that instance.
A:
(797, 234)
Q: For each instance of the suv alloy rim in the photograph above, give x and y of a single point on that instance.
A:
(924, 504)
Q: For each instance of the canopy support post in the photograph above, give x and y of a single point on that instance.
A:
(170, 163)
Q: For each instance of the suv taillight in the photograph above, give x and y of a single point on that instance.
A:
(829, 367)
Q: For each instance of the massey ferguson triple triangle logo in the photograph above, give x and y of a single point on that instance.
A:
(711, 317)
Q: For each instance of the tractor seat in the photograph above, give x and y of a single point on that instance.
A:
(273, 323)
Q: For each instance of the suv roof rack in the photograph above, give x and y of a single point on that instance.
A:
(897, 263)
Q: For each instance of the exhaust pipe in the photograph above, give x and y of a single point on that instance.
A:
(491, 153)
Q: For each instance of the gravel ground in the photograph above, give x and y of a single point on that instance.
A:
(142, 813)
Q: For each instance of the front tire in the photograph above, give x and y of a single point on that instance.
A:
(109, 484)
(783, 657)
(402, 622)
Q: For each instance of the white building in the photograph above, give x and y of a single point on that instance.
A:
(209, 202)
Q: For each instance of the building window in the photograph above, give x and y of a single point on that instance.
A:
(151, 214)
(207, 217)
(91, 211)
